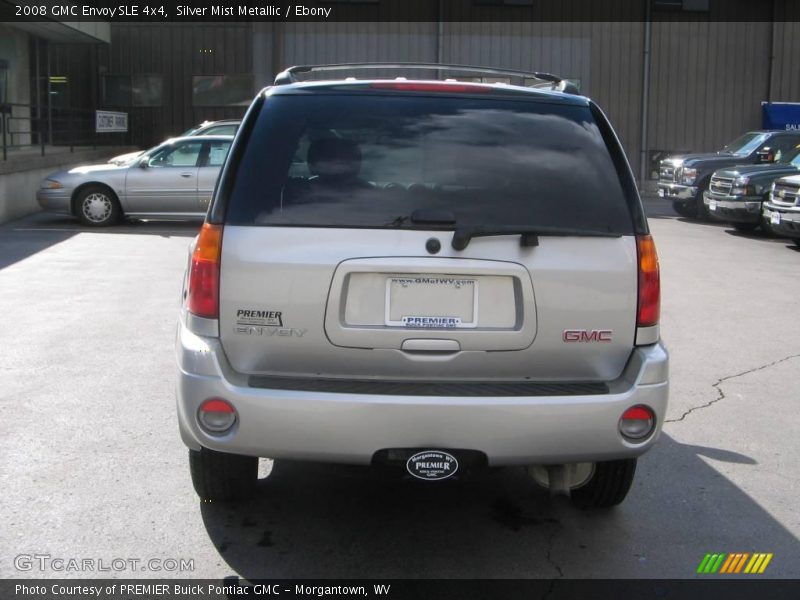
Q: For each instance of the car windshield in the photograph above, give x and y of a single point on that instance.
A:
(374, 161)
(793, 158)
(745, 145)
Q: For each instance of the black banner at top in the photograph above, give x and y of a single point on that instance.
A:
(188, 11)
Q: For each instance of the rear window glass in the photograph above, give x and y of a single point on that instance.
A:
(370, 161)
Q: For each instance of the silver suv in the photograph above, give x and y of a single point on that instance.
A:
(427, 274)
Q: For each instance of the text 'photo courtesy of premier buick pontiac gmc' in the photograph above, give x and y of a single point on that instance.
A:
(427, 276)
(684, 178)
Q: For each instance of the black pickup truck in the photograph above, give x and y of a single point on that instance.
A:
(684, 178)
(736, 194)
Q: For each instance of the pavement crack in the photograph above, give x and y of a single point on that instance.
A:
(721, 393)
(549, 554)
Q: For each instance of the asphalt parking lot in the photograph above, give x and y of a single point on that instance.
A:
(91, 465)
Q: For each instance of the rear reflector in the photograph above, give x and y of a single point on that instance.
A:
(432, 87)
(637, 422)
(216, 416)
(649, 283)
(203, 288)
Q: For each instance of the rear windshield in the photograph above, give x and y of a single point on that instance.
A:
(372, 161)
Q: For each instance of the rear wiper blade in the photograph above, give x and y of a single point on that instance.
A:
(529, 233)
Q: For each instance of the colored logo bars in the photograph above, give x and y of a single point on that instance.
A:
(739, 562)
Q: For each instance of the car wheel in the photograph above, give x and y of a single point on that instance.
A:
(745, 226)
(700, 209)
(97, 206)
(796, 242)
(684, 209)
(608, 486)
(222, 477)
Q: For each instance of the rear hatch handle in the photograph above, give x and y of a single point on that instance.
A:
(529, 235)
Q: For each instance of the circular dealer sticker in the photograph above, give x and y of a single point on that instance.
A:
(432, 465)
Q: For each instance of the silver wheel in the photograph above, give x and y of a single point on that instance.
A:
(97, 207)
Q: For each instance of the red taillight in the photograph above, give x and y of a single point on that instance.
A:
(216, 416)
(431, 87)
(203, 289)
(637, 423)
(649, 282)
(216, 405)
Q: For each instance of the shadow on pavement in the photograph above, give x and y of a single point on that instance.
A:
(29, 235)
(318, 521)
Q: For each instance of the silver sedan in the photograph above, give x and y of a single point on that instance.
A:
(172, 180)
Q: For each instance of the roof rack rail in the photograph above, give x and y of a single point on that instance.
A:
(556, 83)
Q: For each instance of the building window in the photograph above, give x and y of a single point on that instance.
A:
(686, 5)
(147, 90)
(132, 90)
(222, 90)
(116, 90)
(504, 2)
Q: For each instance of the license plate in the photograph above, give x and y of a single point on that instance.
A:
(661, 193)
(775, 218)
(712, 205)
(431, 302)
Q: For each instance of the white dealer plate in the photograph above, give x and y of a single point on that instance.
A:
(660, 192)
(775, 218)
(431, 301)
(712, 205)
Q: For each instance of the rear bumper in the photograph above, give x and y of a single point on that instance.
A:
(350, 428)
(733, 209)
(676, 191)
(783, 221)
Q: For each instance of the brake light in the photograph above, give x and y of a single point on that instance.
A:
(203, 288)
(431, 87)
(649, 282)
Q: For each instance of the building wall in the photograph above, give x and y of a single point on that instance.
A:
(707, 76)
(176, 52)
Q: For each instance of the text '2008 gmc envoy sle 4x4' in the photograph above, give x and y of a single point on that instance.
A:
(428, 274)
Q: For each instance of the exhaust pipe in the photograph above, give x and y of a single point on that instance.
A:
(558, 478)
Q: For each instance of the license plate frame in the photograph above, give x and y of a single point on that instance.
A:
(775, 218)
(661, 193)
(712, 205)
(426, 319)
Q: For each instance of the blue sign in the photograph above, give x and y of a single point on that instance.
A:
(780, 115)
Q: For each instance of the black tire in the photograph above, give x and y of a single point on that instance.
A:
(745, 226)
(700, 209)
(796, 242)
(608, 486)
(97, 206)
(684, 209)
(221, 477)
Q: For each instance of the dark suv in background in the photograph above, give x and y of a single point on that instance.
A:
(684, 178)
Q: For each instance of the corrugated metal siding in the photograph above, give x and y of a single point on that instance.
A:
(707, 82)
(786, 66)
(173, 51)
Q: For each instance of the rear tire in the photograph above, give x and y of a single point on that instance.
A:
(700, 209)
(745, 226)
(608, 486)
(221, 477)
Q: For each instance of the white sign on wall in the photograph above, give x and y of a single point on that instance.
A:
(107, 121)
